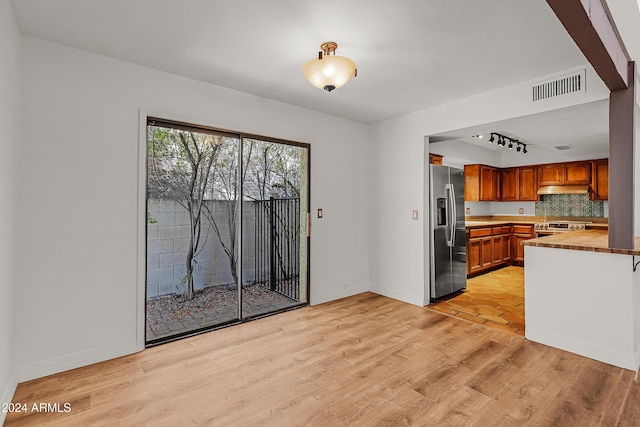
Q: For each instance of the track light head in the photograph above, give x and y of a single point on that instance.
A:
(506, 141)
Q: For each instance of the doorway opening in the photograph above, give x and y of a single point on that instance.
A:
(227, 230)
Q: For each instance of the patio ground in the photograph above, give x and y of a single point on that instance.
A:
(170, 315)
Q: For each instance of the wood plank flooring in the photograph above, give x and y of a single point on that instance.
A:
(495, 299)
(363, 360)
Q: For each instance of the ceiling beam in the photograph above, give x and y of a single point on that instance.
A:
(588, 23)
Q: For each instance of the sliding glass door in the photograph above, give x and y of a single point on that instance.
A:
(275, 206)
(212, 261)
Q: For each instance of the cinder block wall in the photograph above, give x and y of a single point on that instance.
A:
(168, 242)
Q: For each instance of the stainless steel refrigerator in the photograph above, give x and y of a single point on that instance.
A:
(448, 264)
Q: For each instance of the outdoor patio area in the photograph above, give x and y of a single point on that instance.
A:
(171, 315)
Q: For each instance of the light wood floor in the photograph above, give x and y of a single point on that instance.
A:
(495, 299)
(363, 360)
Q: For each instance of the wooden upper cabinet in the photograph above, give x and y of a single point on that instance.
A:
(528, 184)
(435, 159)
(471, 183)
(481, 183)
(564, 173)
(519, 184)
(489, 183)
(552, 174)
(578, 173)
(510, 185)
(600, 180)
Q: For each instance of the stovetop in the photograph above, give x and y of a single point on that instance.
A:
(561, 225)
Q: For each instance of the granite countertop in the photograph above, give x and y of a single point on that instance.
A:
(582, 240)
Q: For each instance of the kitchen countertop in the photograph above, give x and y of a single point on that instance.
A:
(495, 222)
(582, 240)
(491, 221)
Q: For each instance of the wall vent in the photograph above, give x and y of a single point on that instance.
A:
(564, 147)
(562, 85)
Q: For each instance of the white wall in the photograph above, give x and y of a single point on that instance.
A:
(77, 296)
(9, 134)
(599, 289)
(398, 244)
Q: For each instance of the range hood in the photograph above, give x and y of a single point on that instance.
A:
(564, 189)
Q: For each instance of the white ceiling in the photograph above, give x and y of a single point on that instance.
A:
(410, 54)
(585, 127)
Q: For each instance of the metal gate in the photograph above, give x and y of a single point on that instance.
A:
(277, 245)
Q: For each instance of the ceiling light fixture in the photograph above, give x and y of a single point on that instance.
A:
(329, 71)
(503, 140)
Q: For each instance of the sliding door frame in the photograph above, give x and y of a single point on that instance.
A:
(141, 296)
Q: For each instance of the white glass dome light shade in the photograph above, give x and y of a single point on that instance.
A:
(331, 72)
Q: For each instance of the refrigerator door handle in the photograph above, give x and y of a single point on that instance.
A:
(450, 229)
(454, 215)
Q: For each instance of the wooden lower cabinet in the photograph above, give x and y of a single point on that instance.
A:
(506, 247)
(488, 248)
(474, 246)
(520, 233)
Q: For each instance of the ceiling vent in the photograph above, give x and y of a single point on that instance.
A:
(562, 85)
(564, 147)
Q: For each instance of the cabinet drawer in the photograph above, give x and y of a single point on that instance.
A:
(523, 229)
(506, 229)
(479, 232)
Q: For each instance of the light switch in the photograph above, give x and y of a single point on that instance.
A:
(319, 213)
(414, 215)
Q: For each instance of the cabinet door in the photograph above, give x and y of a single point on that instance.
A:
(551, 174)
(489, 183)
(578, 173)
(471, 183)
(497, 250)
(510, 185)
(517, 250)
(474, 250)
(506, 247)
(528, 183)
(600, 180)
(486, 252)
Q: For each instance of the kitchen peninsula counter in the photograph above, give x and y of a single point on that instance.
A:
(582, 240)
(584, 297)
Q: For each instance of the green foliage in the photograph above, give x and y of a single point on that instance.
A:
(150, 219)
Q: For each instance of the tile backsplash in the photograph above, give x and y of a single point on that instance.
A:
(569, 205)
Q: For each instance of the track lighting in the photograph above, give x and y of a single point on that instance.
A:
(503, 140)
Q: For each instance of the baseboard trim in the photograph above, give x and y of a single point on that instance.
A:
(393, 293)
(8, 392)
(336, 295)
(596, 352)
(76, 360)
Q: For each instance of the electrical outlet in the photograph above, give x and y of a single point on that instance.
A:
(319, 213)
(468, 211)
(521, 211)
(414, 215)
